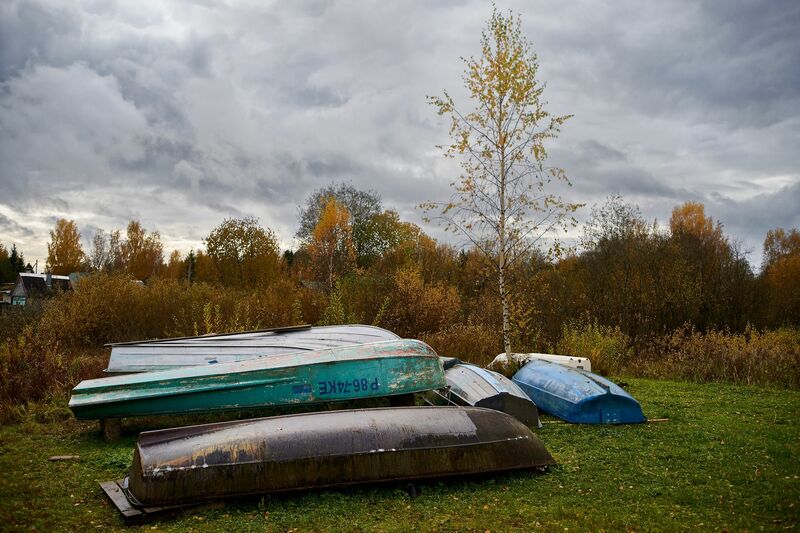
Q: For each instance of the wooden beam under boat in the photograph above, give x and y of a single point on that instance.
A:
(180, 352)
(319, 450)
(388, 368)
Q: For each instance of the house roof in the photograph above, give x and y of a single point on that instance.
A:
(37, 283)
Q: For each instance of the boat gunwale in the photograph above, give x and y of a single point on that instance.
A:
(305, 488)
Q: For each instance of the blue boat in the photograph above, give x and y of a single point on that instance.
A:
(577, 396)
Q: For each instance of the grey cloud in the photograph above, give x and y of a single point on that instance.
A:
(12, 229)
(748, 220)
(183, 113)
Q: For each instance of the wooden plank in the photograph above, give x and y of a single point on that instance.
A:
(134, 515)
(130, 514)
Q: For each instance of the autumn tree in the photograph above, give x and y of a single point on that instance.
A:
(64, 252)
(502, 201)
(142, 253)
(365, 218)
(244, 253)
(331, 244)
(176, 266)
(781, 276)
(780, 244)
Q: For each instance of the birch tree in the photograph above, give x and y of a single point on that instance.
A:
(502, 202)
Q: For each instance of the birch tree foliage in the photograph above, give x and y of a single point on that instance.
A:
(502, 200)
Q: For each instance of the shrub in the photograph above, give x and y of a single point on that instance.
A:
(416, 306)
(752, 357)
(50, 353)
(469, 342)
(607, 347)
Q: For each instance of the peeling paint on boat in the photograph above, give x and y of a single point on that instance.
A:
(396, 367)
(329, 449)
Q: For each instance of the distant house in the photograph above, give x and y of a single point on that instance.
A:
(31, 286)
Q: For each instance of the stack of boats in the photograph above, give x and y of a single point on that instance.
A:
(478, 421)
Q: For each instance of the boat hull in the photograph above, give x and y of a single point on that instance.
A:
(577, 396)
(168, 354)
(474, 386)
(374, 370)
(330, 449)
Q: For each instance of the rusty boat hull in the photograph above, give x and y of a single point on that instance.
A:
(470, 385)
(184, 466)
(181, 352)
(375, 370)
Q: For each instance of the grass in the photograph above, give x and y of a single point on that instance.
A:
(726, 460)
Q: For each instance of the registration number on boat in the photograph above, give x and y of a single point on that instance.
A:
(348, 385)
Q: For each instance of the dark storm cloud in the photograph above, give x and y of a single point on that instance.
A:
(12, 229)
(183, 113)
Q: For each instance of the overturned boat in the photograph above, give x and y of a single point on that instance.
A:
(180, 352)
(475, 386)
(388, 368)
(577, 396)
(182, 466)
(581, 363)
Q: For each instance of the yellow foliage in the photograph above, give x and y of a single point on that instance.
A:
(331, 245)
(64, 252)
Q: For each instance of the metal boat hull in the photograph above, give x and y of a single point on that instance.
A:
(168, 354)
(577, 396)
(474, 386)
(330, 449)
(388, 368)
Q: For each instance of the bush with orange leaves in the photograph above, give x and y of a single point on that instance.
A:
(50, 354)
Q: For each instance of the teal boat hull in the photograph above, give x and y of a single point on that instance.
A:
(375, 370)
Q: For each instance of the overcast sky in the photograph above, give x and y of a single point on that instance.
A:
(182, 113)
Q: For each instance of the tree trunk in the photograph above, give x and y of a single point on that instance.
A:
(502, 238)
(504, 304)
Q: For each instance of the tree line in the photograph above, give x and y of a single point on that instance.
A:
(363, 261)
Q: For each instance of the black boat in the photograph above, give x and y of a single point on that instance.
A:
(184, 466)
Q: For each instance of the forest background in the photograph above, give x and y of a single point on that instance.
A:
(680, 302)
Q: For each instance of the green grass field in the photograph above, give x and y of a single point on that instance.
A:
(728, 459)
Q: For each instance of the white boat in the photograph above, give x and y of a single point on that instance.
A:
(181, 352)
(582, 363)
(503, 363)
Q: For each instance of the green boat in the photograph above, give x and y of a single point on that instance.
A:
(388, 368)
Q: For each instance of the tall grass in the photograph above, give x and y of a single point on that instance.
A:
(763, 357)
(768, 357)
(46, 351)
(607, 347)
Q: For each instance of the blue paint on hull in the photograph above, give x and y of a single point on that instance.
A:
(577, 396)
